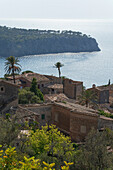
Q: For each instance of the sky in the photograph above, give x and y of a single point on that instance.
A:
(57, 9)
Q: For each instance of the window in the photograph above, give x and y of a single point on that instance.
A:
(106, 100)
(2, 89)
(56, 117)
(83, 129)
(43, 116)
(38, 86)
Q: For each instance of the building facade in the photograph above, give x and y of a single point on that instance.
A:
(8, 95)
(72, 89)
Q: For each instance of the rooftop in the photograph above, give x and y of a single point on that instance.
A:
(78, 108)
(30, 76)
(51, 77)
(73, 82)
(56, 97)
(8, 82)
(56, 86)
(105, 118)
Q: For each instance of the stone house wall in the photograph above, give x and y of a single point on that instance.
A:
(104, 97)
(81, 124)
(8, 90)
(72, 89)
(104, 122)
(44, 112)
(61, 118)
(79, 89)
(75, 123)
(73, 120)
(8, 95)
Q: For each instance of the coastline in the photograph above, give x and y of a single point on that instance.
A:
(65, 53)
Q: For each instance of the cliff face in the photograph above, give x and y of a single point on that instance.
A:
(20, 42)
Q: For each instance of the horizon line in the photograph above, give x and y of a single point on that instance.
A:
(60, 19)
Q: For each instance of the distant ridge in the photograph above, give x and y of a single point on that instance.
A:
(21, 42)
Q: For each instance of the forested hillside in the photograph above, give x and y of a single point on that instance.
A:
(20, 42)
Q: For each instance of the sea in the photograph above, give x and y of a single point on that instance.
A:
(91, 68)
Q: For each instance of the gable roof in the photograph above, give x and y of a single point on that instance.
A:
(55, 86)
(76, 108)
(30, 76)
(7, 82)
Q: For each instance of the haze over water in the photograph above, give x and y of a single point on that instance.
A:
(91, 68)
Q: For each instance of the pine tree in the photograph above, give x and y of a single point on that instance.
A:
(35, 89)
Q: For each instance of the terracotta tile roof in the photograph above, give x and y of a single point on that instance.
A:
(56, 86)
(39, 77)
(9, 82)
(78, 108)
(105, 118)
(51, 77)
(105, 87)
(30, 76)
(56, 97)
(73, 82)
(102, 88)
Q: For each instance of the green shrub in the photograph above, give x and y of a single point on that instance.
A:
(35, 99)
(101, 112)
(27, 71)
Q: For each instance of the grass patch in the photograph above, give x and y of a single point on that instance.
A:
(101, 112)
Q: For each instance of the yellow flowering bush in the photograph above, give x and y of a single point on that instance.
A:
(8, 161)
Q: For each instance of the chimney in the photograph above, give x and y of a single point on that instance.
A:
(93, 86)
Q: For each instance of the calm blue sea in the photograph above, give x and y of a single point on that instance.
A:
(90, 68)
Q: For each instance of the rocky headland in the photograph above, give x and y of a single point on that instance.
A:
(21, 42)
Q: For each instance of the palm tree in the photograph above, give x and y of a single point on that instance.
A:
(58, 65)
(12, 66)
(88, 98)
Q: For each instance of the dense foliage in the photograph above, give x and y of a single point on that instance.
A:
(47, 148)
(35, 89)
(97, 153)
(8, 160)
(30, 95)
(20, 42)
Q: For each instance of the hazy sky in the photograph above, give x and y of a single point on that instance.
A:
(60, 9)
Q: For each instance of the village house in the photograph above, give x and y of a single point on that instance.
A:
(72, 89)
(8, 95)
(25, 80)
(54, 79)
(102, 94)
(110, 89)
(49, 84)
(74, 120)
(42, 112)
(105, 122)
(54, 89)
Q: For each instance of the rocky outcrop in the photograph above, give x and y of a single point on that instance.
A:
(20, 42)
